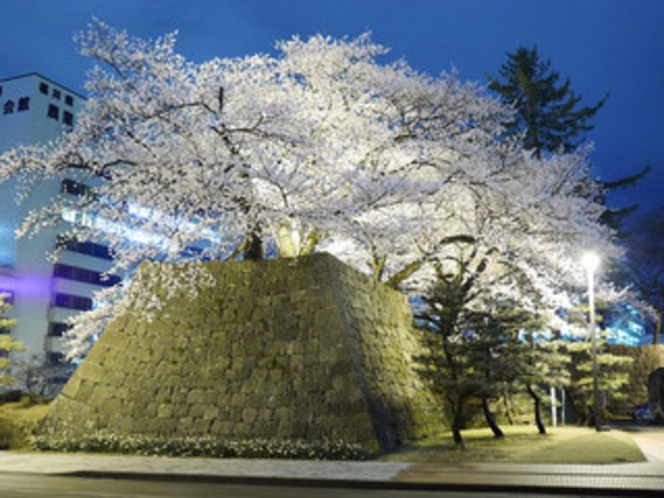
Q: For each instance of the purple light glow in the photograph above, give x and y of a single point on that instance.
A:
(30, 286)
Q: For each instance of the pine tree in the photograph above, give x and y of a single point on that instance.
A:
(613, 368)
(547, 112)
(7, 342)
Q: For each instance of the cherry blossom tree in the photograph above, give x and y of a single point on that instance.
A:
(319, 147)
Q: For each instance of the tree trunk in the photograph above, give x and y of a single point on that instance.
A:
(508, 409)
(253, 247)
(457, 424)
(538, 410)
(490, 420)
(658, 329)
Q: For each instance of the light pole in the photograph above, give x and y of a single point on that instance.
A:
(591, 263)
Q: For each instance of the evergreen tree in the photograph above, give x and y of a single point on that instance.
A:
(547, 112)
(446, 365)
(615, 217)
(645, 269)
(7, 342)
(483, 347)
(496, 352)
(543, 364)
(549, 117)
(613, 367)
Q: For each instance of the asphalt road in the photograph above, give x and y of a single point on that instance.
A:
(39, 486)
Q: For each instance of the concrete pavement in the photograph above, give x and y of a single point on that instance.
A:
(629, 479)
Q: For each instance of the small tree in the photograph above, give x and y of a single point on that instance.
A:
(447, 365)
(495, 347)
(613, 375)
(7, 342)
(544, 364)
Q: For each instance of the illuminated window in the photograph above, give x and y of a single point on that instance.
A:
(88, 248)
(72, 301)
(79, 274)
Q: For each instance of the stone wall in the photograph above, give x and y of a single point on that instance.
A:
(303, 348)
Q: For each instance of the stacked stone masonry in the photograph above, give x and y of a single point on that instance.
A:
(304, 348)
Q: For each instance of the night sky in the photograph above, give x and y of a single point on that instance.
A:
(614, 46)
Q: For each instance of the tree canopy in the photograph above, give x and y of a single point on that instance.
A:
(548, 112)
(319, 147)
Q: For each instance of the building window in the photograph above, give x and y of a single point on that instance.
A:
(89, 248)
(56, 94)
(24, 103)
(72, 301)
(73, 187)
(84, 275)
(8, 107)
(55, 359)
(69, 100)
(68, 118)
(53, 112)
(43, 88)
(0, 90)
(57, 329)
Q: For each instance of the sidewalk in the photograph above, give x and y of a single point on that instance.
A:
(630, 479)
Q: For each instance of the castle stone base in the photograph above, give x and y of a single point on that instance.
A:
(305, 348)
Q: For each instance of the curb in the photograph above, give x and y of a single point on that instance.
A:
(395, 485)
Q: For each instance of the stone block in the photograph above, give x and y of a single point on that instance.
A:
(304, 348)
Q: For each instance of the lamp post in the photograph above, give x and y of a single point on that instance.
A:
(591, 263)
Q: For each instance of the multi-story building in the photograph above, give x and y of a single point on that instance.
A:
(45, 293)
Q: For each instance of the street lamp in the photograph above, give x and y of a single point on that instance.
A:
(591, 262)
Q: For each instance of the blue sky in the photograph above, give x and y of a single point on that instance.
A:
(614, 46)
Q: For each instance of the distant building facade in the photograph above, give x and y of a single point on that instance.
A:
(35, 109)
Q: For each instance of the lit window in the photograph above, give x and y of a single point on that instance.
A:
(43, 88)
(85, 275)
(56, 94)
(71, 301)
(53, 112)
(8, 107)
(69, 100)
(68, 118)
(24, 103)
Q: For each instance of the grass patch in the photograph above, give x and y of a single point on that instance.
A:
(573, 445)
(18, 420)
(522, 444)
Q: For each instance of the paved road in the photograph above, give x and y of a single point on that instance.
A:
(41, 486)
(49, 474)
